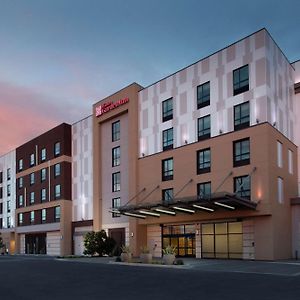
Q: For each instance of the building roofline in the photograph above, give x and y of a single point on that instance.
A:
(222, 49)
(127, 86)
(81, 119)
(45, 132)
(295, 61)
(279, 48)
(7, 153)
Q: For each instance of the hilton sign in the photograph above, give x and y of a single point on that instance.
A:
(106, 107)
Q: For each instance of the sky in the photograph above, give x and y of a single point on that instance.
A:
(58, 57)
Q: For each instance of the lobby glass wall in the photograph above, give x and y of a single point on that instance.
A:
(222, 240)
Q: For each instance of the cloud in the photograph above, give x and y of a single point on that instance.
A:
(26, 113)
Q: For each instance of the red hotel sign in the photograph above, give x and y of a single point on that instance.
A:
(106, 107)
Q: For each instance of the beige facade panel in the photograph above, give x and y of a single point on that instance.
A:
(129, 110)
(266, 230)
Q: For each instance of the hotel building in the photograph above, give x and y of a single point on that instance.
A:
(43, 193)
(217, 156)
(205, 159)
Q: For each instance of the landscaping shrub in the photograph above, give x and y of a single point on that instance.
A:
(98, 243)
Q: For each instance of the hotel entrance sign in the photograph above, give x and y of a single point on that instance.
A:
(106, 107)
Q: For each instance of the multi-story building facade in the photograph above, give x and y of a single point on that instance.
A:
(7, 200)
(296, 201)
(205, 160)
(43, 193)
(217, 153)
(115, 140)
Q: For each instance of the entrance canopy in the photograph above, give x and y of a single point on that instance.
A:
(188, 205)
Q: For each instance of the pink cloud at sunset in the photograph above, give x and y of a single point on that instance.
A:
(25, 114)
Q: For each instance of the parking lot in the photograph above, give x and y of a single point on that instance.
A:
(30, 277)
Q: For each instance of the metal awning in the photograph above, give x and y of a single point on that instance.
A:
(187, 205)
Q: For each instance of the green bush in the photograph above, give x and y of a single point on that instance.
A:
(179, 262)
(98, 243)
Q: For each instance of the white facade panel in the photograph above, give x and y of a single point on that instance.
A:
(78, 244)
(22, 243)
(8, 185)
(53, 243)
(269, 94)
(82, 170)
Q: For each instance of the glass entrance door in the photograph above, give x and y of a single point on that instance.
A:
(182, 237)
(35, 243)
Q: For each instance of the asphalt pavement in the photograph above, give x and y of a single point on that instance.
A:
(32, 277)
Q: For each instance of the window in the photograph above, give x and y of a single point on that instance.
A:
(290, 158)
(32, 159)
(203, 161)
(20, 219)
(8, 222)
(1, 177)
(57, 149)
(116, 154)
(167, 196)
(43, 175)
(116, 203)
(8, 174)
(168, 139)
(203, 95)
(241, 116)
(242, 186)
(167, 110)
(43, 195)
(241, 152)
(204, 128)
(32, 217)
(1, 192)
(20, 164)
(57, 213)
(56, 170)
(204, 190)
(43, 154)
(31, 178)
(116, 182)
(115, 131)
(1, 208)
(240, 80)
(44, 215)
(21, 200)
(8, 206)
(32, 197)
(8, 190)
(167, 169)
(280, 189)
(279, 154)
(21, 182)
(57, 191)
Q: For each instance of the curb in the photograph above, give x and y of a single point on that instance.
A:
(150, 265)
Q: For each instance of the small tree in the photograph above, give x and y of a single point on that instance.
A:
(98, 243)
